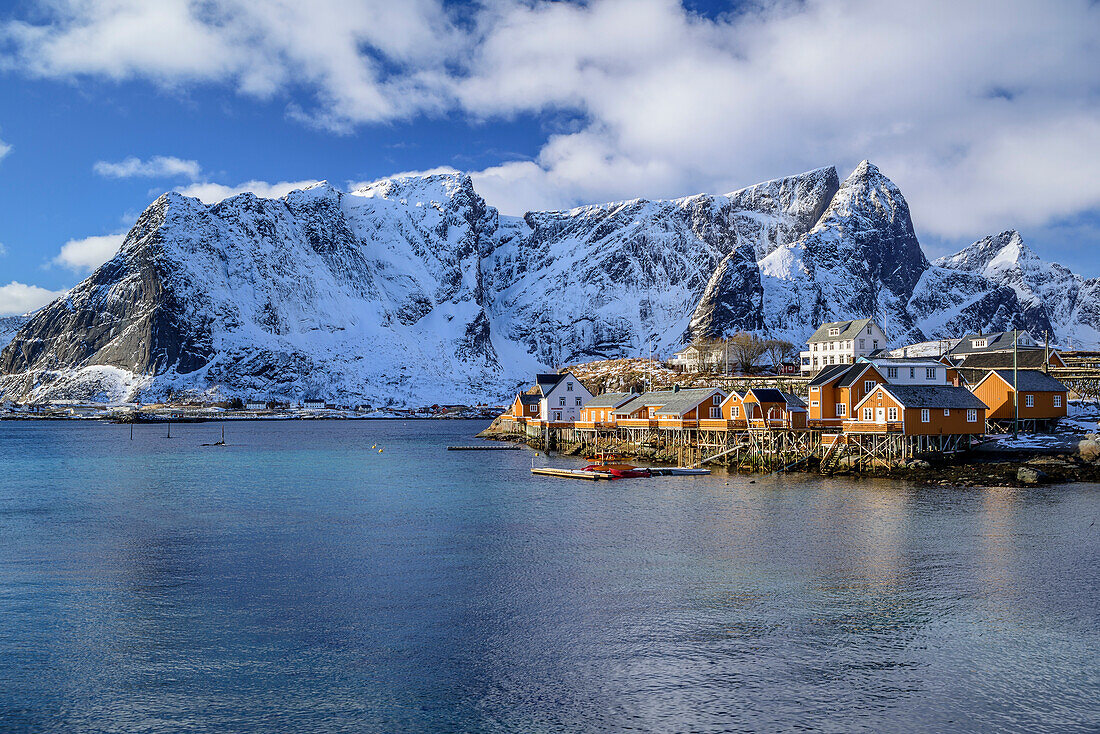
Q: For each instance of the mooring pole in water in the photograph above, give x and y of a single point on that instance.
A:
(131, 430)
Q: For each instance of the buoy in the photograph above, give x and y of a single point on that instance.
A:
(374, 446)
(379, 450)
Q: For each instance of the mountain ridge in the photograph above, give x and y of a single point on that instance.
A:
(414, 290)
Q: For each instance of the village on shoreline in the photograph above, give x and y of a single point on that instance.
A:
(994, 408)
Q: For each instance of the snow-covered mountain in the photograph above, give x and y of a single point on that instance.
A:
(413, 290)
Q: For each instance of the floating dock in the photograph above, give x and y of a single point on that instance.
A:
(502, 447)
(591, 476)
(671, 471)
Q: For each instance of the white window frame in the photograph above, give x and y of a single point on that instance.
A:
(715, 412)
(569, 387)
(980, 343)
(947, 412)
(891, 413)
(1057, 401)
(912, 373)
(834, 332)
(868, 386)
(892, 373)
(813, 404)
(972, 416)
(579, 402)
(868, 415)
(841, 410)
(1029, 401)
(929, 373)
(562, 402)
(925, 415)
(716, 400)
(736, 412)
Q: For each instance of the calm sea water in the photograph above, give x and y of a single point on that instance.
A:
(300, 580)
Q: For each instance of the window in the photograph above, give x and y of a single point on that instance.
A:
(868, 386)
(578, 402)
(868, 328)
(815, 361)
(562, 401)
(813, 389)
(971, 416)
(841, 410)
(1057, 401)
(557, 416)
(569, 387)
(930, 373)
(892, 414)
(947, 412)
(834, 332)
(867, 414)
(875, 343)
(862, 343)
(815, 346)
(980, 343)
(1029, 401)
(891, 373)
(912, 373)
(737, 411)
(813, 404)
(717, 400)
(925, 415)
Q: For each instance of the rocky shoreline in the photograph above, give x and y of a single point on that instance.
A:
(1003, 468)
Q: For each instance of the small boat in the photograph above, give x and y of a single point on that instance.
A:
(612, 464)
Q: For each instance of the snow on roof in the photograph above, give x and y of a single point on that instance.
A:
(848, 330)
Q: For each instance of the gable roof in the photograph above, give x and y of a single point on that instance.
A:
(855, 372)
(547, 381)
(526, 398)
(794, 401)
(609, 400)
(828, 374)
(1029, 380)
(848, 330)
(1029, 358)
(996, 341)
(682, 401)
(929, 396)
(768, 395)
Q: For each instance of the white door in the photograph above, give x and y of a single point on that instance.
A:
(880, 415)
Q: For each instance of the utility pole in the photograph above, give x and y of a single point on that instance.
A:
(1046, 351)
(1016, 382)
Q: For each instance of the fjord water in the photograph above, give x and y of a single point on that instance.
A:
(300, 580)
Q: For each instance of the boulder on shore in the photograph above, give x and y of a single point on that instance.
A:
(1027, 475)
(1089, 449)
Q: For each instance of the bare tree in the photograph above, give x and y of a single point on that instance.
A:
(778, 350)
(748, 349)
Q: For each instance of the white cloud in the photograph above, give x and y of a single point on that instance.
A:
(3, 250)
(212, 193)
(4, 149)
(156, 167)
(87, 254)
(985, 119)
(18, 298)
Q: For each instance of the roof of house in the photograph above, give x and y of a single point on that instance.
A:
(768, 395)
(906, 361)
(848, 330)
(609, 400)
(794, 401)
(1030, 358)
(1031, 380)
(855, 372)
(681, 401)
(932, 396)
(546, 381)
(996, 341)
(526, 398)
(827, 374)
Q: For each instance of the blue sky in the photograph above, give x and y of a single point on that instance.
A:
(986, 121)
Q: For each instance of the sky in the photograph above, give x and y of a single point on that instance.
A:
(986, 114)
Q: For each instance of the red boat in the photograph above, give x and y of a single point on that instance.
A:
(611, 464)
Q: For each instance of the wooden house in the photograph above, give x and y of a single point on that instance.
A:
(918, 410)
(771, 408)
(835, 390)
(974, 367)
(599, 412)
(1042, 399)
(841, 342)
(675, 408)
(525, 407)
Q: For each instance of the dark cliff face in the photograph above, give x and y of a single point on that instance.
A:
(121, 316)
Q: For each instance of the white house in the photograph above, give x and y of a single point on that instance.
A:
(912, 371)
(841, 342)
(563, 396)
